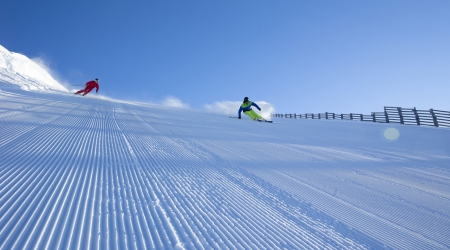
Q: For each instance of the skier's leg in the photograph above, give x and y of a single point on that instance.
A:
(79, 91)
(248, 114)
(251, 114)
(87, 90)
(257, 116)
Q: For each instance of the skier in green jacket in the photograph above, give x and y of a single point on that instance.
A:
(247, 108)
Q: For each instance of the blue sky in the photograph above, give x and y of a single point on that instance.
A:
(300, 56)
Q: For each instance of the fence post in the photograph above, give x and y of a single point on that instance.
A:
(351, 116)
(361, 116)
(435, 121)
(417, 116)
(342, 116)
(334, 116)
(399, 110)
(386, 115)
(374, 119)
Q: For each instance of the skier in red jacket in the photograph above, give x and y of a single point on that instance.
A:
(89, 86)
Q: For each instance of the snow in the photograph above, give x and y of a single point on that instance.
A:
(18, 69)
(95, 173)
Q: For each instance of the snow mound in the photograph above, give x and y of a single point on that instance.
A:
(18, 69)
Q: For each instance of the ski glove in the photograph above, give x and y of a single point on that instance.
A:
(259, 109)
(239, 117)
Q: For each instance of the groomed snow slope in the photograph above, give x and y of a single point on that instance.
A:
(92, 173)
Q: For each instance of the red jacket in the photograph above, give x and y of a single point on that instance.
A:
(92, 84)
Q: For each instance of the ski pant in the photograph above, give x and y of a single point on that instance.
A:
(252, 114)
(85, 90)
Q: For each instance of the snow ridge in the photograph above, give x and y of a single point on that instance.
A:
(18, 69)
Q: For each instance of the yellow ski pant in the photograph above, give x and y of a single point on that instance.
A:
(253, 114)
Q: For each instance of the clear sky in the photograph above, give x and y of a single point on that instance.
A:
(300, 56)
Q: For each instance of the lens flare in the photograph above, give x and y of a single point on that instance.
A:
(391, 134)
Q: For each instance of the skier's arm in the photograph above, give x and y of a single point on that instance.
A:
(256, 105)
(239, 112)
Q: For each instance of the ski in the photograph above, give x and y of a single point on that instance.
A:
(256, 119)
